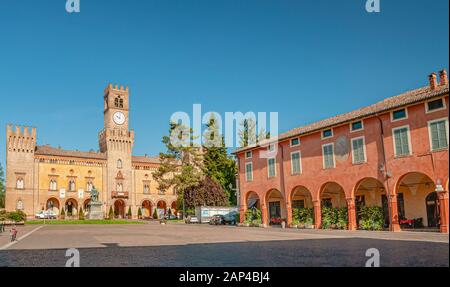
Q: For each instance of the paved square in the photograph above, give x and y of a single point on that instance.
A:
(180, 245)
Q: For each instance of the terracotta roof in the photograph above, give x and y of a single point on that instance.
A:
(145, 159)
(51, 151)
(385, 105)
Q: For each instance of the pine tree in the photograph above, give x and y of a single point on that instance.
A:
(111, 213)
(129, 214)
(181, 165)
(218, 165)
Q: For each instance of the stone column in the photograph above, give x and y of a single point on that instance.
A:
(352, 224)
(393, 213)
(443, 209)
(317, 214)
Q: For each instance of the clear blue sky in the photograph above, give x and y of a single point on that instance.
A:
(306, 59)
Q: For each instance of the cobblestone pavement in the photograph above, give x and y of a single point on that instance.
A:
(194, 245)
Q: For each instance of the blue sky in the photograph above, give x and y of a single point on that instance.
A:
(306, 59)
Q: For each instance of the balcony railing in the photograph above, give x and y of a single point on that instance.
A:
(120, 194)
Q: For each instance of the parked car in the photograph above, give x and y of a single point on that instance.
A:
(46, 214)
(222, 220)
(192, 219)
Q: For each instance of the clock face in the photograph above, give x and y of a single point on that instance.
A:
(119, 118)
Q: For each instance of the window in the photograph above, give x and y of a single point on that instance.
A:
(358, 150)
(119, 164)
(438, 130)
(435, 105)
(120, 103)
(146, 189)
(248, 154)
(119, 187)
(116, 102)
(271, 148)
(249, 171)
(271, 167)
(327, 134)
(399, 115)
(295, 142)
(71, 185)
(357, 126)
(53, 185)
(401, 141)
(295, 163)
(20, 184)
(298, 204)
(89, 186)
(328, 156)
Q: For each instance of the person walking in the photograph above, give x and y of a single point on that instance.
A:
(13, 234)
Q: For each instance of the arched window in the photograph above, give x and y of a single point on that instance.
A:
(20, 183)
(116, 102)
(120, 103)
(53, 185)
(119, 164)
(119, 187)
(89, 186)
(71, 185)
(146, 189)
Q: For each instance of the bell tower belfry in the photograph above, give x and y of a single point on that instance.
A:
(117, 140)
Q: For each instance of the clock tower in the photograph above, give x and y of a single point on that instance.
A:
(117, 140)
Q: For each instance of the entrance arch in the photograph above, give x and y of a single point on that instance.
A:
(86, 205)
(53, 205)
(174, 208)
(276, 207)
(146, 209)
(71, 207)
(370, 192)
(417, 205)
(334, 211)
(301, 200)
(119, 208)
(252, 200)
(162, 208)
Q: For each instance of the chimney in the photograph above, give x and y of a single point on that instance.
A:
(443, 81)
(433, 81)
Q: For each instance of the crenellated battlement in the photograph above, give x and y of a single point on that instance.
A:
(116, 88)
(20, 138)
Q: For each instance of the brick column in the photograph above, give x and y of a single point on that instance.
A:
(289, 212)
(317, 214)
(443, 209)
(265, 219)
(352, 225)
(393, 213)
(242, 211)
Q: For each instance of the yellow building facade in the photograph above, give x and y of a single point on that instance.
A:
(47, 178)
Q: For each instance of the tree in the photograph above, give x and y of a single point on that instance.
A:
(218, 165)
(139, 213)
(181, 165)
(111, 213)
(129, 214)
(248, 134)
(207, 193)
(81, 214)
(2, 188)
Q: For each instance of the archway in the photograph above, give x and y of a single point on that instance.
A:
(333, 204)
(71, 207)
(146, 209)
(370, 193)
(276, 207)
(174, 208)
(417, 203)
(52, 205)
(119, 208)
(86, 205)
(162, 208)
(252, 200)
(302, 206)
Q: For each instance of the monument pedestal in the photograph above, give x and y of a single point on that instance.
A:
(95, 211)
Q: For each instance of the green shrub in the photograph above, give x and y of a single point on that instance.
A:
(63, 213)
(129, 214)
(17, 216)
(155, 213)
(139, 213)
(111, 213)
(371, 218)
(334, 218)
(253, 216)
(81, 214)
(341, 217)
(306, 216)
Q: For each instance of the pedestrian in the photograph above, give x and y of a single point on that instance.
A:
(13, 233)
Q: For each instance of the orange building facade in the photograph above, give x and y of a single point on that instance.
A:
(393, 154)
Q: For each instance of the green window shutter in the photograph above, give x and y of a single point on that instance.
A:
(443, 141)
(358, 151)
(438, 132)
(401, 142)
(271, 167)
(295, 161)
(249, 171)
(328, 156)
(405, 141)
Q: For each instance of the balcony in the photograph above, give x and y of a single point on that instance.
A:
(120, 194)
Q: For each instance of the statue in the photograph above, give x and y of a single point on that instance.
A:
(94, 194)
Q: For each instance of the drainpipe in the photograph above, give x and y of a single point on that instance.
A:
(282, 187)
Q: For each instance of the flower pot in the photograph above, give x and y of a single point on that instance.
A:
(301, 226)
(283, 224)
(295, 226)
(247, 224)
(309, 226)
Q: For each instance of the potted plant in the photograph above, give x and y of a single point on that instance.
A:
(129, 214)
(63, 214)
(309, 224)
(139, 213)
